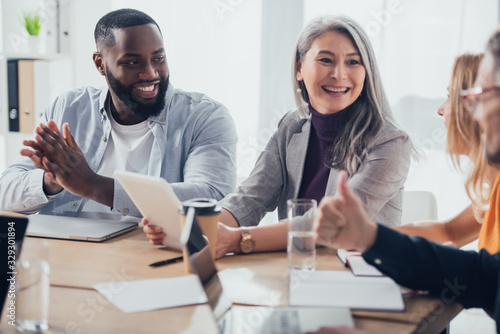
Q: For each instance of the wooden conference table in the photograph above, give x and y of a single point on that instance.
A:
(75, 307)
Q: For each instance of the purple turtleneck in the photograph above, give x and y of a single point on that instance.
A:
(324, 130)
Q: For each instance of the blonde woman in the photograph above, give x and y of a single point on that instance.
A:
(464, 138)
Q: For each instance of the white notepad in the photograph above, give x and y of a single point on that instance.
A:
(323, 288)
(344, 254)
(360, 267)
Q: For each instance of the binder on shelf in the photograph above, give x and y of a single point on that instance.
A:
(33, 91)
(26, 100)
(13, 97)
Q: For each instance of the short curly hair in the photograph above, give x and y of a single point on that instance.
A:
(121, 18)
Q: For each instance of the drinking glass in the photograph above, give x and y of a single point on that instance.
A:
(301, 246)
(33, 285)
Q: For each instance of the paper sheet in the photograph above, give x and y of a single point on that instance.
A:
(241, 289)
(343, 289)
(146, 295)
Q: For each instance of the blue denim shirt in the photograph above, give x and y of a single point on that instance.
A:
(194, 149)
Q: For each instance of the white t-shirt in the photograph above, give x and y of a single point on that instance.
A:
(129, 149)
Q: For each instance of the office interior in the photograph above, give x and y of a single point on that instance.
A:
(239, 53)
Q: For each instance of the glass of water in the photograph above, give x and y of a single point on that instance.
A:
(32, 287)
(301, 246)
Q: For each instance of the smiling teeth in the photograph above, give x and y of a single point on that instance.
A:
(336, 90)
(147, 88)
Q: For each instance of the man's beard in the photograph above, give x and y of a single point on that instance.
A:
(139, 110)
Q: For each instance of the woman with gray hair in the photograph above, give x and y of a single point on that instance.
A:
(342, 121)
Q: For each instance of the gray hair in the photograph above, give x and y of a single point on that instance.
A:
(371, 108)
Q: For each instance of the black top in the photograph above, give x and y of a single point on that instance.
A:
(324, 130)
(454, 275)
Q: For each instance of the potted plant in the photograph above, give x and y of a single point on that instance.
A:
(33, 23)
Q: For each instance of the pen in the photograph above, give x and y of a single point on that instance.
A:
(164, 262)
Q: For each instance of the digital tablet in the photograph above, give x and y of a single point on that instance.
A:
(156, 201)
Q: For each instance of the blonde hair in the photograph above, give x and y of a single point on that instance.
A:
(464, 134)
(371, 109)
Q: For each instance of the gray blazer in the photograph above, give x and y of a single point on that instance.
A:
(278, 171)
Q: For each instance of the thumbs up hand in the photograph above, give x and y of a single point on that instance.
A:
(342, 222)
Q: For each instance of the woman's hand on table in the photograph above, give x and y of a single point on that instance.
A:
(228, 240)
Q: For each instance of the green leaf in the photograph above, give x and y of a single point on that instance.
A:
(32, 23)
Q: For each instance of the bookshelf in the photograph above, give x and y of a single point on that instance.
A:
(54, 51)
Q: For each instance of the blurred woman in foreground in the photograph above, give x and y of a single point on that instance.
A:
(464, 138)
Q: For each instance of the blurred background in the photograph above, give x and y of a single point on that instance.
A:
(239, 52)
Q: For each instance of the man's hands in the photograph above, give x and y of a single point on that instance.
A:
(65, 165)
(342, 221)
(36, 154)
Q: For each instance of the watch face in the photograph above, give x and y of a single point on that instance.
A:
(247, 245)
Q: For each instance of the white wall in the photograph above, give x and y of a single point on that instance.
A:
(85, 16)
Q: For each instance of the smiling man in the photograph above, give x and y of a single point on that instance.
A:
(138, 123)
